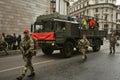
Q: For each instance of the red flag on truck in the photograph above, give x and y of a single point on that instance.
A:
(43, 36)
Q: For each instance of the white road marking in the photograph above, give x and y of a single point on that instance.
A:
(10, 69)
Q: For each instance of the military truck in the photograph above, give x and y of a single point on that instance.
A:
(55, 32)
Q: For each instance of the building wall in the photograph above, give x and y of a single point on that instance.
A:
(60, 6)
(118, 17)
(17, 15)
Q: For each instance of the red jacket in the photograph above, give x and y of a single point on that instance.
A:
(92, 23)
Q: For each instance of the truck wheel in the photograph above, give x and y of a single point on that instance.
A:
(47, 50)
(67, 50)
(96, 48)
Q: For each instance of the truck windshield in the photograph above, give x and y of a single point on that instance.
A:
(45, 26)
(39, 28)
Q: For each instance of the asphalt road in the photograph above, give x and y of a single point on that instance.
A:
(99, 66)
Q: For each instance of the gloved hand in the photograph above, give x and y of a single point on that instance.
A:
(26, 53)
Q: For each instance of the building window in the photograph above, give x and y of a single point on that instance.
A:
(96, 16)
(83, 5)
(87, 3)
(106, 17)
(96, 10)
(105, 9)
(106, 1)
(111, 16)
(96, 1)
(53, 6)
(80, 6)
(87, 12)
(83, 12)
(106, 27)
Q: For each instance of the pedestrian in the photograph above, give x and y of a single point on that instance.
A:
(18, 41)
(27, 48)
(9, 40)
(83, 46)
(112, 41)
(3, 44)
(14, 46)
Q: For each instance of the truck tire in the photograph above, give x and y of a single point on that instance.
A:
(96, 48)
(47, 50)
(67, 50)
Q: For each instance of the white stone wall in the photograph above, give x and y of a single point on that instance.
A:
(61, 7)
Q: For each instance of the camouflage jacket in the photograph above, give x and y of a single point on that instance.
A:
(27, 45)
(3, 43)
(83, 43)
(113, 40)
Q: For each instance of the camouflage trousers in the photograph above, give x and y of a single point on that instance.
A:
(112, 48)
(83, 51)
(28, 65)
(4, 49)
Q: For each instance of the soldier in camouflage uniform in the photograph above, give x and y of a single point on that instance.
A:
(83, 45)
(3, 44)
(27, 48)
(112, 41)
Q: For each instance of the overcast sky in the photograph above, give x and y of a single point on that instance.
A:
(118, 2)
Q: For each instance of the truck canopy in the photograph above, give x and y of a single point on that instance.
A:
(51, 17)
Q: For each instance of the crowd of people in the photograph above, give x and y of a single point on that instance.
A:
(85, 22)
(13, 41)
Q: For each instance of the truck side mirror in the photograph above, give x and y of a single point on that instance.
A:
(31, 27)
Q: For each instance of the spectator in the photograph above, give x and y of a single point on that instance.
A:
(18, 41)
(84, 22)
(97, 24)
(14, 46)
(9, 40)
(80, 22)
(92, 23)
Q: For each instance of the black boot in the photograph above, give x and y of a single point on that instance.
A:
(31, 75)
(19, 78)
(110, 53)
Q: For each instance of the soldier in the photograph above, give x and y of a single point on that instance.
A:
(83, 45)
(113, 41)
(3, 44)
(27, 48)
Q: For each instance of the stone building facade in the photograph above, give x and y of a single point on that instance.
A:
(118, 17)
(59, 6)
(17, 15)
(105, 10)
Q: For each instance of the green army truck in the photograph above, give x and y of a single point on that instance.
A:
(55, 32)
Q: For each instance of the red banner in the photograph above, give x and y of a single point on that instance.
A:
(43, 36)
